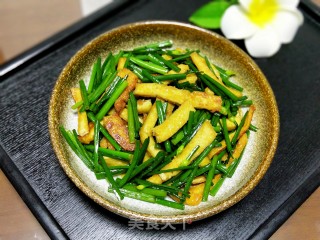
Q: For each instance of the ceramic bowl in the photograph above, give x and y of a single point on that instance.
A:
(259, 151)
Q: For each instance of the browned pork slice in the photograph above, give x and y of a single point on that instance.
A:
(118, 129)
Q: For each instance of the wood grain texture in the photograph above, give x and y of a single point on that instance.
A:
(16, 220)
(317, 2)
(304, 223)
(36, 21)
(26, 23)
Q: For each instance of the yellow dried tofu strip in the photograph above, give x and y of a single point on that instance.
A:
(121, 63)
(198, 180)
(146, 130)
(202, 66)
(183, 69)
(247, 123)
(205, 162)
(245, 128)
(218, 150)
(241, 144)
(203, 100)
(114, 162)
(83, 126)
(231, 125)
(149, 123)
(144, 106)
(169, 110)
(196, 192)
(200, 100)
(146, 157)
(191, 78)
(168, 93)
(173, 123)
(203, 138)
(195, 195)
(88, 138)
(124, 114)
(132, 80)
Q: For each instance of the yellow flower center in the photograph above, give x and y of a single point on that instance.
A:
(262, 11)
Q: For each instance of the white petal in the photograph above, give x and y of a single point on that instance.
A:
(264, 43)
(283, 3)
(286, 24)
(289, 3)
(245, 4)
(235, 24)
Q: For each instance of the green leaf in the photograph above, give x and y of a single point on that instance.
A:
(210, 14)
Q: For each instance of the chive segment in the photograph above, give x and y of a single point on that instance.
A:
(149, 65)
(111, 180)
(106, 107)
(210, 175)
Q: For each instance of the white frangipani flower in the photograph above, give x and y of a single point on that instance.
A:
(264, 24)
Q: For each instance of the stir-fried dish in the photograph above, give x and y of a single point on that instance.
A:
(161, 125)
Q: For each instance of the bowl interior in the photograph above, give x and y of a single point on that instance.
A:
(259, 151)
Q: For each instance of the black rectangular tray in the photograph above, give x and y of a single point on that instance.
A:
(28, 160)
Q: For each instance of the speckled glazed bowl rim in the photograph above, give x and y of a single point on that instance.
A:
(233, 199)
